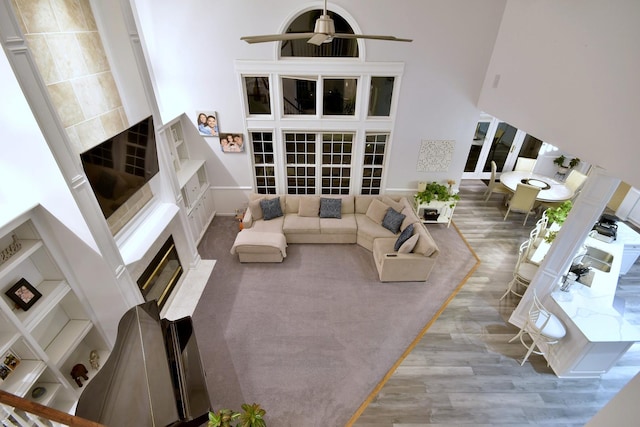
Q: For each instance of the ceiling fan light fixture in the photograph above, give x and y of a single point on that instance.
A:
(324, 25)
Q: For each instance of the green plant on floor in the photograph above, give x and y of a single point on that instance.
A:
(559, 214)
(434, 191)
(252, 415)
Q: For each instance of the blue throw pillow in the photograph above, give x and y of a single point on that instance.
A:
(330, 208)
(392, 220)
(271, 208)
(403, 237)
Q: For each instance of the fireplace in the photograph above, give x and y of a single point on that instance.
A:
(160, 277)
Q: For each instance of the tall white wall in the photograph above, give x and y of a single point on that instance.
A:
(568, 74)
(192, 50)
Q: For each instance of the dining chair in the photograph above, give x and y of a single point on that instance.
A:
(575, 180)
(495, 186)
(524, 164)
(543, 327)
(522, 273)
(523, 200)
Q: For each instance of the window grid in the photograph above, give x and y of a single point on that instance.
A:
(337, 149)
(373, 164)
(263, 162)
(300, 157)
(137, 149)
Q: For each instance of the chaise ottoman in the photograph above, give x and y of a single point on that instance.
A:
(260, 246)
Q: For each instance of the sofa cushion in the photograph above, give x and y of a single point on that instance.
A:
(309, 206)
(256, 210)
(377, 211)
(345, 225)
(292, 204)
(426, 245)
(392, 220)
(330, 208)
(410, 217)
(409, 244)
(396, 205)
(301, 224)
(271, 208)
(403, 237)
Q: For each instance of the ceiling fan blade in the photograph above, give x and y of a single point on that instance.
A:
(319, 38)
(363, 36)
(276, 37)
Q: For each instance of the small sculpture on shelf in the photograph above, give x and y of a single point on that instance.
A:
(94, 359)
(79, 371)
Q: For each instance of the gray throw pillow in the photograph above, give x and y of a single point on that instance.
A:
(271, 208)
(392, 220)
(330, 208)
(403, 237)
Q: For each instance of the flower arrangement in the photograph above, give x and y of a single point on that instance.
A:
(437, 192)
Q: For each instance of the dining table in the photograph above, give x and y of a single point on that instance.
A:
(551, 190)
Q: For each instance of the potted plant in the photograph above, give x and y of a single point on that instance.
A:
(559, 161)
(558, 216)
(436, 192)
(252, 415)
(574, 162)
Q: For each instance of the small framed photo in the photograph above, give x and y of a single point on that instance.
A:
(207, 123)
(23, 294)
(4, 372)
(232, 142)
(11, 361)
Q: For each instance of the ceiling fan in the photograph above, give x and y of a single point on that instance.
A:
(324, 32)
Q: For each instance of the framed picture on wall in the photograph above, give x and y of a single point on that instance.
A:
(232, 142)
(207, 123)
(23, 294)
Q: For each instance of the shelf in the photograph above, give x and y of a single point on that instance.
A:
(7, 339)
(22, 379)
(28, 248)
(52, 293)
(187, 170)
(50, 394)
(67, 340)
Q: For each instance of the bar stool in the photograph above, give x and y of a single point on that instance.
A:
(543, 327)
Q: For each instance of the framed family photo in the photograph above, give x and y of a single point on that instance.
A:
(23, 294)
(207, 123)
(232, 142)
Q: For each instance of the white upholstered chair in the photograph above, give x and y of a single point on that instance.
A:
(495, 186)
(543, 327)
(523, 200)
(524, 164)
(522, 273)
(575, 180)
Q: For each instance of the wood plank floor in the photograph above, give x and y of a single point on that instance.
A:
(463, 371)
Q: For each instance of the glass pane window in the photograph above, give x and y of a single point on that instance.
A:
(380, 96)
(373, 164)
(258, 97)
(300, 156)
(337, 152)
(339, 97)
(501, 146)
(263, 163)
(305, 23)
(299, 96)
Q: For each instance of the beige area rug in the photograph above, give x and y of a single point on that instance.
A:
(312, 338)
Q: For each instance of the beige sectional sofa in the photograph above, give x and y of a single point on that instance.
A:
(360, 221)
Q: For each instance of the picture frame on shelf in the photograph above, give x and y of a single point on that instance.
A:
(207, 123)
(11, 360)
(4, 372)
(24, 294)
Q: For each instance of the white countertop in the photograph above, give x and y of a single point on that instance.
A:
(591, 308)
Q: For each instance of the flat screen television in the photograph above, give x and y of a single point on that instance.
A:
(121, 165)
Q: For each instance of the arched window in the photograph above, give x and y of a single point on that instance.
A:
(344, 48)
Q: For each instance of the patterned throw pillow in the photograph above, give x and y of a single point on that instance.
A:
(271, 208)
(330, 208)
(403, 237)
(392, 220)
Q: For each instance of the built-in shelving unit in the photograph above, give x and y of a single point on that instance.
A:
(192, 178)
(49, 337)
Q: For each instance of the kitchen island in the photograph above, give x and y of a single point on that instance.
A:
(597, 333)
